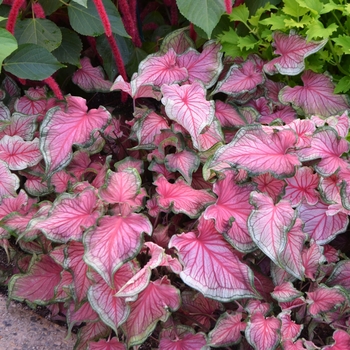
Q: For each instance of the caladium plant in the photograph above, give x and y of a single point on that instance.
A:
(212, 218)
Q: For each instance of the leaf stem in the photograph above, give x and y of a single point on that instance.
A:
(336, 59)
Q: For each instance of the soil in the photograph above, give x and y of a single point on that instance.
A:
(22, 328)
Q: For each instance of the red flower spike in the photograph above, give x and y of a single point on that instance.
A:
(51, 82)
(104, 17)
(38, 10)
(11, 21)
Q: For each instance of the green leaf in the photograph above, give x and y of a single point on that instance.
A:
(50, 6)
(317, 30)
(255, 6)
(8, 44)
(240, 13)
(203, 13)
(248, 42)
(86, 21)
(32, 62)
(70, 48)
(81, 2)
(343, 85)
(254, 20)
(125, 47)
(315, 6)
(275, 21)
(344, 42)
(39, 31)
(331, 6)
(229, 41)
(137, 56)
(305, 21)
(292, 8)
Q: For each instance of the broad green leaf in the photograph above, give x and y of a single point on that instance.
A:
(317, 30)
(344, 42)
(86, 20)
(240, 13)
(343, 85)
(50, 6)
(32, 62)
(70, 48)
(81, 2)
(39, 31)
(125, 47)
(8, 44)
(291, 7)
(315, 6)
(203, 13)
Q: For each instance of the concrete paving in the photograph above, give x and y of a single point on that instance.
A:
(22, 329)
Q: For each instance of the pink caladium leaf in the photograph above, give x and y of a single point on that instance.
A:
(258, 152)
(235, 280)
(159, 70)
(312, 259)
(83, 313)
(267, 183)
(227, 330)
(340, 275)
(289, 329)
(71, 215)
(319, 225)
(325, 144)
(341, 341)
(187, 342)
(181, 197)
(199, 308)
(231, 211)
(324, 299)
(178, 40)
(39, 283)
(21, 125)
(339, 123)
(211, 136)
(134, 89)
(241, 79)
(293, 49)
(121, 187)
(268, 225)
(112, 344)
(254, 305)
(9, 182)
(285, 292)
(74, 262)
(19, 154)
(228, 115)
(90, 332)
(188, 106)
(119, 238)
(29, 106)
(153, 304)
(291, 257)
(185, 162)
(302, 186)
(112, 310)
(317, 88)
(290, 345)
(91, 78)
(148, 127)
(205, 66)
(60, 130)
(263, 333)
